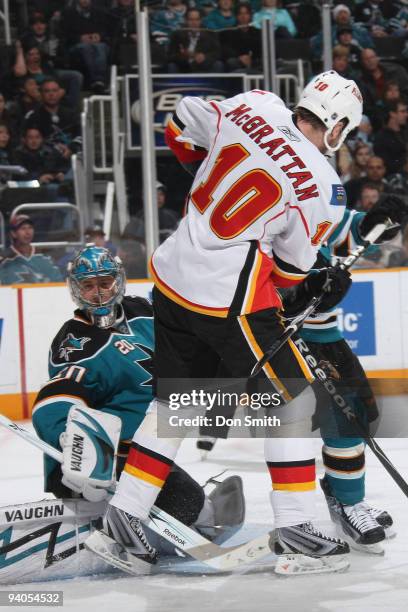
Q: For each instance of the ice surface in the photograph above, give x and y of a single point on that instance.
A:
(372, 583)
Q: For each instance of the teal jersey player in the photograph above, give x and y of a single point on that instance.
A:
(107, 369)
(344, 455)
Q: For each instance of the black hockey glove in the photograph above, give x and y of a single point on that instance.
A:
(333, 282)
(388, 207)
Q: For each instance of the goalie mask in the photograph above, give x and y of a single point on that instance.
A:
(97, 281)
(333, 98)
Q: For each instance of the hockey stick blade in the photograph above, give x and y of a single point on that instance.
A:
(181, 536)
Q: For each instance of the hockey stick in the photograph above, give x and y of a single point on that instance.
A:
(187, 540)
(298, 321)
(349, 413)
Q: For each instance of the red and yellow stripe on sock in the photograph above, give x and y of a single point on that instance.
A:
(293, 475)
(147, 465)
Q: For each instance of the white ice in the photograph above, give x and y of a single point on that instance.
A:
(372, 582)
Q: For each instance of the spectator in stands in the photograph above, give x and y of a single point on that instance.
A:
(341, 62)
(241, 46)
(28, 99)
(391, 94)
(283, 22)
(44, 163)
(166, 20)
(133, 256)
(364, 134)
(205, 6)
(20, 263)
(369, 195)
(123, 27)
(47, 8)
(375, 75)
(342, 18)
(345, 38)
(193, 49)
(6, 155)
(374, 15)
(391, 141)
(375, 175)
(60, 125)
(38, 36)
(96, 235)
(86, 28)
(221, 17)
(168, 219)
(307, 18)
(358, 166)
(30, 63)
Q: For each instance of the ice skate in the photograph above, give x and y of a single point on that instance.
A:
(383, 518)
(122, 543)
(356, 523)
(303, 549)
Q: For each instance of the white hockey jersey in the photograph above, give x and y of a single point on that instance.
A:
(261, 203)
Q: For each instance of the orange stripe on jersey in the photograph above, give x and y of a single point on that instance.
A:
(293, 476)
(142, 459)
(307, 373)
(182, 150)
(257, 351)
(175, 297)
(252, 283)
(263, 291)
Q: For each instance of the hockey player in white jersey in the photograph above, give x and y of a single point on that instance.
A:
(263, 199)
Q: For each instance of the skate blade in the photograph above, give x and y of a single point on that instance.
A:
(107, 549)
(390, 533)
(296, 565)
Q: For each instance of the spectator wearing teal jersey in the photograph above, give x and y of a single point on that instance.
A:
(222, 17)
(283, 22)
(20, 263)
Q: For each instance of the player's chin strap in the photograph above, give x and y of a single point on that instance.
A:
(218, 558)
(298, 321)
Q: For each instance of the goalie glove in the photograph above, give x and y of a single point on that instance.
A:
(89, 446)
(332, 282)
(388, 207)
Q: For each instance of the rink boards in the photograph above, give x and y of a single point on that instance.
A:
(374, 319)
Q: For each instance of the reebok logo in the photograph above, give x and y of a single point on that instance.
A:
(174, 537)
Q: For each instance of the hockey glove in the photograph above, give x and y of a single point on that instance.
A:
(333, 282)
(388, 207)
(89, 446)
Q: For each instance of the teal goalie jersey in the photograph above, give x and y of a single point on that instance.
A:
(107, 369)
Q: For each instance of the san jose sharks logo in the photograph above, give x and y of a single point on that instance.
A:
(70, 344)
(145, 361)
